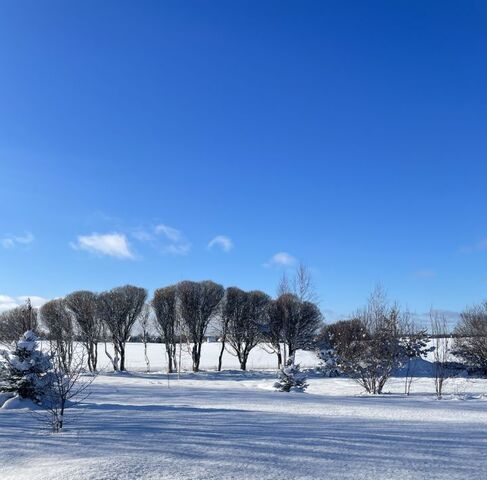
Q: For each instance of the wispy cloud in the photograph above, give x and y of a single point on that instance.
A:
(176, 242)
(281, 259)
(7, 302)
(480, 246)
(222, 241)
(177, 248)
(163, 238)
(425, 273)
(170, 233)
(142, 236)
(12, 241)
(108, 244)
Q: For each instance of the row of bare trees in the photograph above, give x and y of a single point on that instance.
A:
(240, 319)
(181, 314)
(16, 321)
(85, 316)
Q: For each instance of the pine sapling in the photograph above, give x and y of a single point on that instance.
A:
(291, 378)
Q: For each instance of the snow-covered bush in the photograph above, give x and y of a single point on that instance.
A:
(371, 358)
(329, 362)
(291, 378)
(24, 370)
(414, 345)
(336, 342)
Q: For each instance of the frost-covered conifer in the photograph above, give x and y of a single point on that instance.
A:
(25, 369)
(291, 378)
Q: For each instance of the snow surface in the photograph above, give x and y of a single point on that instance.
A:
(232, 425)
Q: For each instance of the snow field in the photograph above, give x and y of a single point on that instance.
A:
(232, 425)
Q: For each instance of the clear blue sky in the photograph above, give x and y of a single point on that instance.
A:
(348, 135)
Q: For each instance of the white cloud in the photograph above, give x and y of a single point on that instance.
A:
(35, 300)
(281, 259)
(480, 246)
(11, 241)
(177, 248)
(7, 302)
(169, 232)
(110, 244)
(222, 241)
(425, 273)
(178, 244)
(142, 236)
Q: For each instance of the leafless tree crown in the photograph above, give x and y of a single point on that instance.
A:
(119, 309)
(198, 303)
(165, 304)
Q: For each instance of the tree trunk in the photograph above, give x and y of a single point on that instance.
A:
(279, 359)
(90, 368)
(147, 362)
(220, 357)
(113, 359)
(291, 350)
(122, 357)
(61, 416)
(94, 358)
(196, 356)
(169, 361)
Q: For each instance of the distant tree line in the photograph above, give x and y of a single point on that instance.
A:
(369, 346)
(181, 314)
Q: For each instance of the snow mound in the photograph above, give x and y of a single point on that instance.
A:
(17, 403)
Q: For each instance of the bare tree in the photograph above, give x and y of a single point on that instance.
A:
(119, 309)
(59, 322)
(284, 285)
(106, 338)
(295, 316)
(198, 303)
(372, 359)
(303, 286)
(83, 306)
(471, 338)
(223, 325)
(67, 388)
(343, 334)
(273, 330)
(246, 313)
(165, 308)
(145, 322)
(336, 342)
(301, 321)
(14, 322)
(441, 353)
(300, 284)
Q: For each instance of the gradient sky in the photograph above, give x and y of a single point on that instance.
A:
(348, 135)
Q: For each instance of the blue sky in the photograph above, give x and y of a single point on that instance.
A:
(348, 135)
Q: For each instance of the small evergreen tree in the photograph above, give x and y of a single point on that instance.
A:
(25, 369)
(414, 346)
(291, 378)
(329, 362)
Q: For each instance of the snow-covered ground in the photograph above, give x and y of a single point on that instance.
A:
(232, 425)
(260, 357)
